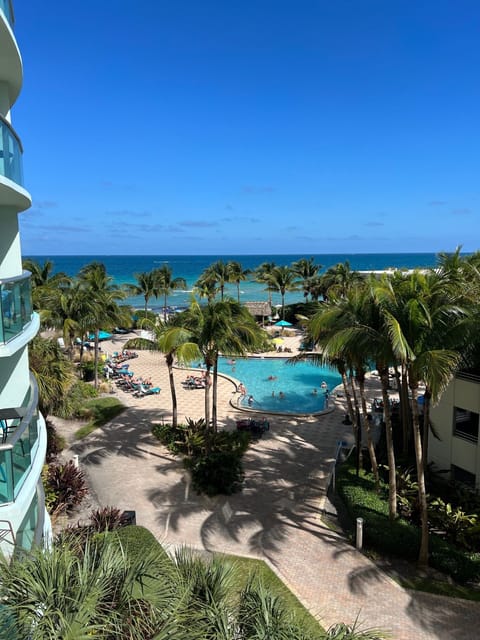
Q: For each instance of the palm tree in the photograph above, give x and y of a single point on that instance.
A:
(262, 275)
(46, 286)
(146, 286)
(335, 328)
(53, 372)
(339, 278)
(206, 286)
(175, 342)
(307, 270)
(282, 279)
(71, 309)
(220, 327)
(166, 284)
(104, 296)
(426, 315)
(237, 274)
(219, 273)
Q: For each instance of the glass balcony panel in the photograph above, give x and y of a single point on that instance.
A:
(6, 476)
(10, 154)
(15, 307)
(6, 7)
(20, 442)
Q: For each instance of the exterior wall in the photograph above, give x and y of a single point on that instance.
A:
(23, 437)
(450, 449)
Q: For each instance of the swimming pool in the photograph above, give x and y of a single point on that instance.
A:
(295, 382)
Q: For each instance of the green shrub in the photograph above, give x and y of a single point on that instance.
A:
(218, 472)
(398, 538)
(66, 486)
(55, 442)
(170, 437)
(75, 399)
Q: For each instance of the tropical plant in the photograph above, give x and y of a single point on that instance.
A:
(45, 285)
(174, 342)
(146, 286)
(166, 284)
(237, 274)
(220, 327)
(69, 485)
(262, 275)
(307, 270)
(53, 373)
(282, 279)
(104, 311)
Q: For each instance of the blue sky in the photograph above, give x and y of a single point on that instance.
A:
(249, 126)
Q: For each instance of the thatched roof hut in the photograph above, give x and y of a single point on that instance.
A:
(259, 309)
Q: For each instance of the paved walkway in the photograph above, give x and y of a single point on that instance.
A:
(275, 517)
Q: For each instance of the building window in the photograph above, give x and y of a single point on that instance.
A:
(462, 476)
(465, 424)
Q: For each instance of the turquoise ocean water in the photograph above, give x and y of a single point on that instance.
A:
(123, 268)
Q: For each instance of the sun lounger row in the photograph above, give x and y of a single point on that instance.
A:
(255, 427)
(194, 382)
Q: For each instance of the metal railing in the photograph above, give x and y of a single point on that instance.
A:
(15, 306)
(19, 445)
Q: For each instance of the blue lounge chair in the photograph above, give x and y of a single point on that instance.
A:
(149, 392)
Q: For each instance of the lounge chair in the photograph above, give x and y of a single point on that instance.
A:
(149, 392)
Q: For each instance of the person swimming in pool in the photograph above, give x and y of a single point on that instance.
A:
(324, 385)
(242, 390)
(250, 400)
(314, 392)
(272, 378)
(281, 395)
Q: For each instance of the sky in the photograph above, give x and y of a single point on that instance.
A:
(249, 126)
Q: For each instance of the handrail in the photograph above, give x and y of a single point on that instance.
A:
(25, 274)
(12, 131)
(28, 415)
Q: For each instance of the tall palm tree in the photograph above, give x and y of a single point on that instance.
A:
(426, 313)
(206, 286)
(220, 327)
(166, 284)
(335, 329)
(262, 275)
(306, 270)
(282, 279)
(146, 286)
(219, 273)
(174, 342)
(339, 278)
(104, 310)
(237, 274)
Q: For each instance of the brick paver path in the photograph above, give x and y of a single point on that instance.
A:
(275, 517)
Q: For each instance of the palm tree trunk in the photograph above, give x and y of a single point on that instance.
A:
(348, 398)
(214, 395)
(366, 426)
(146, 304)
(207, 395)
(422, 493)
(392, 472)
(95, 359)
(405, 410)
(426, 426)
(169, 359)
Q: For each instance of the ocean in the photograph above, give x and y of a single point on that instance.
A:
(123, 268)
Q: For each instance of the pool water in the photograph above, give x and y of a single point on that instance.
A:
(295, 382)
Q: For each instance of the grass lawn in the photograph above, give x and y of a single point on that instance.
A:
(248, 566)
(98, 411)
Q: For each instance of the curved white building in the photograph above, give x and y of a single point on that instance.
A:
(23, 438)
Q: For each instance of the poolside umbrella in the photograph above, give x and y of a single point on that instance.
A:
(283, 323)
(277, 340)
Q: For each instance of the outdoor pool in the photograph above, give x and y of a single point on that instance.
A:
(295, 382)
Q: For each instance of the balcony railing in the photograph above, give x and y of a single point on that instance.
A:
(15, 306)
(10, 153)
(6, 7)
(19, 428)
